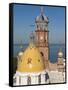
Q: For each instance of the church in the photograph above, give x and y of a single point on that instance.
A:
(34, 66)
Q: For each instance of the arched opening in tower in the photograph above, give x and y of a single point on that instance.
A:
(42, 56)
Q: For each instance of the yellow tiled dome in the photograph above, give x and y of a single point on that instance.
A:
(31, 60)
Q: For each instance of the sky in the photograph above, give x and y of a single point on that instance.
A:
(24, 22)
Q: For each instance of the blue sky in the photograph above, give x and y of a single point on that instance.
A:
(24, 17)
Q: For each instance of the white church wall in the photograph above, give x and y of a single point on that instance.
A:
(17, 80)
(33, 80)
(47, 81)
(36, 80)
(42, 78)
(24, 80)
(20, 80)
(56, 77)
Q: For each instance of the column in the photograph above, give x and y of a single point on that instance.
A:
(33, 80)
(24, 80)
(42, 78)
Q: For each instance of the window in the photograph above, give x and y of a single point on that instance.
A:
(20, 80)
(29, 80)
(29, 61)
(39, 79)
(41, 53)
(46, 76)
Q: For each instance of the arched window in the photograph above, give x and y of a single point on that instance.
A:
(42, 54)
(39, 79)
(29, 80)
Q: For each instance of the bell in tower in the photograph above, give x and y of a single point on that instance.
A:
(42, 36)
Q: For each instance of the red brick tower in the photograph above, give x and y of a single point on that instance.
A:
(42, 36)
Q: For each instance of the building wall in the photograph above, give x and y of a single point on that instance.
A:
(24, 80)
(45, 56)
(34, 79)
(56, 77)
(21, 80)
(43, 79)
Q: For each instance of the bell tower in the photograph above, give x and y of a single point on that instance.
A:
(42, 36)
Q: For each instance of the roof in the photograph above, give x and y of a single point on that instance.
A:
(42, 17)
(31, 60)
(52, 66)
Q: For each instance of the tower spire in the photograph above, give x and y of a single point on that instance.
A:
(42, 10)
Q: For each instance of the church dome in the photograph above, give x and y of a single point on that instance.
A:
(31, 60)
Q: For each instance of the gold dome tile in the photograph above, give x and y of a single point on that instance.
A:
(31, 60)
